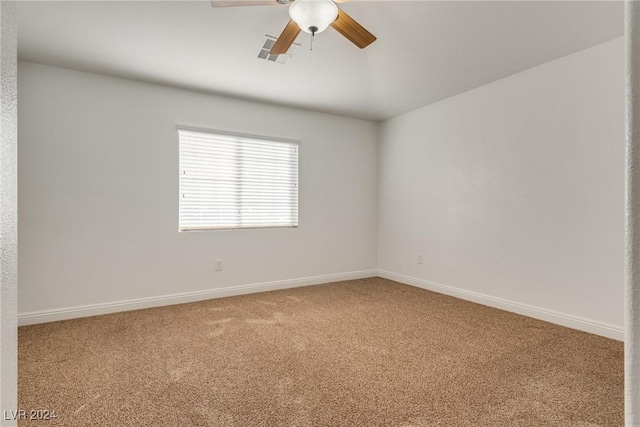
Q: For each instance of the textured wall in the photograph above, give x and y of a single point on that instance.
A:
(515, 190)
(632, 285)
(8, 209)
(98, 184)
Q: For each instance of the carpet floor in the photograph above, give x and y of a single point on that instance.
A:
(368, 352)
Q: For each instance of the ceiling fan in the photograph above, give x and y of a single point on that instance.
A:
(310, 16)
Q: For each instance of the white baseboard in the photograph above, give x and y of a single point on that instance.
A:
(563, 319)
(575, 322)
(35, 317)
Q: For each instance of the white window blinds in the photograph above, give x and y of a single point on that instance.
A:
(234, 181)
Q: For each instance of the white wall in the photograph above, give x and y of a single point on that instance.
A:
(515, 191)
(98, 193)
(512, 192)
(8, 212)
(632, 223)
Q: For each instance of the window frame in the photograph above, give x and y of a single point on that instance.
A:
(295, 142)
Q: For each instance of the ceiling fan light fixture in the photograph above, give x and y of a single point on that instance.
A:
(313, 16)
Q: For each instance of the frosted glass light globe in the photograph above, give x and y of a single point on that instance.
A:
(313, 16)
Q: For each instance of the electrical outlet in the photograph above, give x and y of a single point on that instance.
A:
(419, 259)
(218, 265)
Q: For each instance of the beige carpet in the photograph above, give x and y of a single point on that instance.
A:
(358, 353)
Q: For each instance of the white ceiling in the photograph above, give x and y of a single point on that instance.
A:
(426, 50)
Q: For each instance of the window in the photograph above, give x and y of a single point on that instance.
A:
(235, 181)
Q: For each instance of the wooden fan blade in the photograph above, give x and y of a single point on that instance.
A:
(356, 33)
(286, 39)
(233, 3)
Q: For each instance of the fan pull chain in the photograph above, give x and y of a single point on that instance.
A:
(313, 30)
